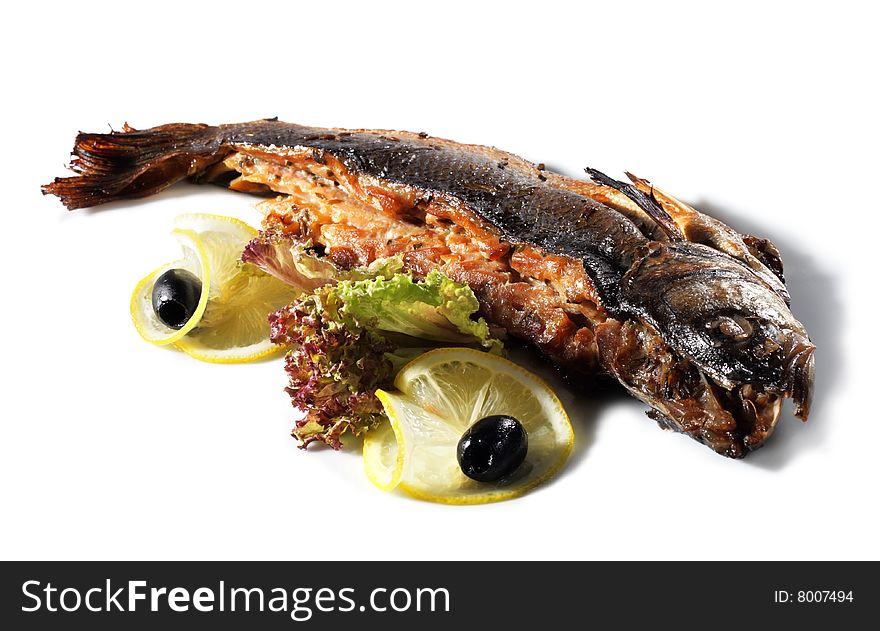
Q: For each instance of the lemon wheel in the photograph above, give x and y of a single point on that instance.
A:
(438, 396)
(229, 323)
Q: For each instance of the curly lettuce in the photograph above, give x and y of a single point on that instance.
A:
(349, 338)
(333, 368)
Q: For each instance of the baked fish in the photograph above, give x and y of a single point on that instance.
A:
(602, 276)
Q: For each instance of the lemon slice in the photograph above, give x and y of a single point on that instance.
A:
(229, 324)
(442, 393)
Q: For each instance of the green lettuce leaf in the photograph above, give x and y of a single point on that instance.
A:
(436, 309)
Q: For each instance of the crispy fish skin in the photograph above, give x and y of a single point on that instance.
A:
(688, 315)
(508, 195)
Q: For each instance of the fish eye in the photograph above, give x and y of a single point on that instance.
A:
(732, 327)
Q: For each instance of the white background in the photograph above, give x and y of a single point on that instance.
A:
(762, 114)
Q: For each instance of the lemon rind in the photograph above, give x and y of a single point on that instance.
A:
(397, 474)
(228, 356)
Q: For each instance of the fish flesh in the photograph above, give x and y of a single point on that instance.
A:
(603, 276)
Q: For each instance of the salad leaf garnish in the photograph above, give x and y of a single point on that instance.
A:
(349, 338)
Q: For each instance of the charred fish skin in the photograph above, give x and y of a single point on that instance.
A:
(518, 203)
(708, 340)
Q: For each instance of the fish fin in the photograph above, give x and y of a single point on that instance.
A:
(133, 163)
(645, 201)
(759, 255)
(765, 251)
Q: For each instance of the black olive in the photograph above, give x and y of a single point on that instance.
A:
(492, 448)
(176, 295)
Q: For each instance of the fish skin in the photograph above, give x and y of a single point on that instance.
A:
(681, 290)
(509, 195)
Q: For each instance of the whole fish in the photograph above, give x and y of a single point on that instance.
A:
(602, 276)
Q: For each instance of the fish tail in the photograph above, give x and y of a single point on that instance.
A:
(133, 163)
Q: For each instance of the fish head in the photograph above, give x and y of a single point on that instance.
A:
(724, 318)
